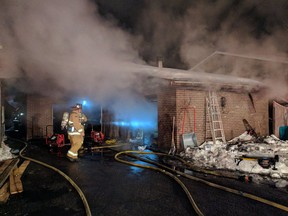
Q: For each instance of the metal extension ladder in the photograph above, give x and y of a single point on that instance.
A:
(214, 125)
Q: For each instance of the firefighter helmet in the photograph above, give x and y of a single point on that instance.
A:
(77, 106)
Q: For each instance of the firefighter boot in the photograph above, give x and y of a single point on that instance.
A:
(81, 152)
(72, 157)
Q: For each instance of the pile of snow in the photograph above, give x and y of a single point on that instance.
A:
(5, 152)
(229, 156)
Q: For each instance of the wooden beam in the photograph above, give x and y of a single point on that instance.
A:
(6, 168)
(4, 193)
(15, 178)
(23, 167)
(15, 182)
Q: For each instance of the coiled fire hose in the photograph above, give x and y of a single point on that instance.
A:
(211, 184)
(79, 191)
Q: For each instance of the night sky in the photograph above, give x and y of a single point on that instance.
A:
(250, 21)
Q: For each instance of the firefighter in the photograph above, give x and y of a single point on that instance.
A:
(76, 131)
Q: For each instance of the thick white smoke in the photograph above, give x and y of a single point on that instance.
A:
(65, 41)
(63, 49)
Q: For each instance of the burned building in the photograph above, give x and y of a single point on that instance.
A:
(184, 98)
(188, 106)
(180, 95)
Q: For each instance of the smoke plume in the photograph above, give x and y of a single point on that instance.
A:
(64, 49)
(191, 31)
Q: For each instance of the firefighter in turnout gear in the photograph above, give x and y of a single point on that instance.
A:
(76, 131)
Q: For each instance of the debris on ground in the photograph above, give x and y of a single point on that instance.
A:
(264, 157)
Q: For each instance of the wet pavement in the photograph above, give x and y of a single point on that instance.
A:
(113, 188)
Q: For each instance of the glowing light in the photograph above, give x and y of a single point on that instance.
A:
(121, 123)
(84, 102)
(135, 124)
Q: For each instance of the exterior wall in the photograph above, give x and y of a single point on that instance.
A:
(192, 105)
(280, 116)
(166, 111)
(39, 117)
(238, 106)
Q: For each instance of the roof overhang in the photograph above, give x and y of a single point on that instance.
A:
(196, 80)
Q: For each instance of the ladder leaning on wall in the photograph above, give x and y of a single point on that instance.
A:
(214, 124)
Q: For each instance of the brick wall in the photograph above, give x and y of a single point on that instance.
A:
(241, 106)
(166, 111)
(39, 117)
(190, 104)
(238, 106)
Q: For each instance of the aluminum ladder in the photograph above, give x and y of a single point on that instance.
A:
(214, 124)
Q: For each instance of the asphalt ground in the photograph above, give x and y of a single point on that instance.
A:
(113, 188)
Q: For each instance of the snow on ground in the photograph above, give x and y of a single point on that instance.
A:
(5, 152)
(241, 154)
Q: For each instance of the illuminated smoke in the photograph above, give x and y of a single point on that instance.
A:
(63, 48)
(67, 42)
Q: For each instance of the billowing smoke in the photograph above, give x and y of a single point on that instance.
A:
(64, 49)
(191, 31)
(253, 29)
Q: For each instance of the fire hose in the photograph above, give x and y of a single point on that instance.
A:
(163, 170)
(211, 184)
(193, 203)
(79, 191)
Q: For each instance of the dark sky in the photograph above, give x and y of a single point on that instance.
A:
(139, 18)
(162, 25)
